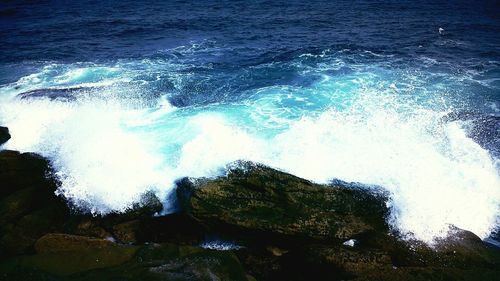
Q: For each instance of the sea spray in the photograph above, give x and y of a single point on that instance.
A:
(121, 138)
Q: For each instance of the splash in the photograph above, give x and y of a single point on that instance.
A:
(115, 142)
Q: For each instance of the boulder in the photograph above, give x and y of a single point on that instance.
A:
(124, 227)
(28, 206)
(63, 254)
(460, 256)
(67, 257)
(23, 170)
(289, 229)
(257, 199)
(30, 209)
(342, 231)
(60, 242)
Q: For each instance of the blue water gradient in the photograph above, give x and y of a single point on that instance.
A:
(360, 91)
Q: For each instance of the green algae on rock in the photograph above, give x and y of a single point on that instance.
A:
(257, 198)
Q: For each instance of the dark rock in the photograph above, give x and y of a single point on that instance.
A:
(290, 229)
(127, 232)
(59, 242)
(388, 258)
(80, 258)
(63, 94)
(175, 228)
(4, 135)
(124, 227)
(256, 198)
(28, 206)
(18, 171)
(172, 262)
(62, 254)
(87, 225)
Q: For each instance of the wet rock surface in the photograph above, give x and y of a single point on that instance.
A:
(280, 227)
(4, 135)
(28, 206)
(258, 199)
(60, 94)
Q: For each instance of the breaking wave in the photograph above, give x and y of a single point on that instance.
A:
(122, 136)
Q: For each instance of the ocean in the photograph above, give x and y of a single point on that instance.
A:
(126, 97)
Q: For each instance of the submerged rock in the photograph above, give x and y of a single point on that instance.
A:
(258, 199)
(61, 94)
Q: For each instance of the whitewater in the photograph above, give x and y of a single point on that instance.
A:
(120, 135)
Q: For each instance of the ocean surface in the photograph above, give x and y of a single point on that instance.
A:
(126, 97)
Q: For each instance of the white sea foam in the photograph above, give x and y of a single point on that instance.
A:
(436, 175)
(102, 164)
(219, 245)
(107, 153)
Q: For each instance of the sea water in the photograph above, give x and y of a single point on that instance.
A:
(324, 90)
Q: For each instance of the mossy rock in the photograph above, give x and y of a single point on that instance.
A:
(63, 254)
(461, 256)
(257, 198)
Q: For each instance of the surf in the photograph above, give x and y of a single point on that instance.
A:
(116, 138)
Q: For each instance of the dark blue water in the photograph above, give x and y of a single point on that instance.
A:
(127, 96)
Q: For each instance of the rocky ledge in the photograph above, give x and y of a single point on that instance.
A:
(280, 227)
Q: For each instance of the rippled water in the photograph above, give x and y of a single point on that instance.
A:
(361, 92)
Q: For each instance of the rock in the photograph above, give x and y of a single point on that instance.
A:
(457, 257)
(82, 259)
(276, 251)
(28, 206)
(59, 242)
(62, 254)
(4, 135)
(461, 249)
(87, 226)
(172, 262)
(61, 94)
(127, 232)
(148, 206)
(174, 228)
(18, 171)
(260, 202)
(125, 227)
(258, 199)
(289, 229)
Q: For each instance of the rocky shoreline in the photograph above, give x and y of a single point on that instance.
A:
(280, 227)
